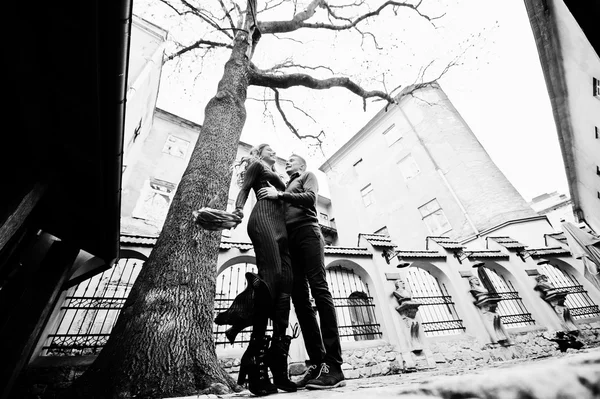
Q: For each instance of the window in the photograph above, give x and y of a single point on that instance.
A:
(434, 218)
(367, 195)
(392, 135)
(358, 166)
(408, 167)
(176, 146)
(154, 201)
(323, 219)
(596, 87)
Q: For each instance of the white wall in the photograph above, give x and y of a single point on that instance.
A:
(581, 64)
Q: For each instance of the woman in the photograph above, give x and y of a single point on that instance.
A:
(268, 294)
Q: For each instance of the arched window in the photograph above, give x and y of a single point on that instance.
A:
(511, 309)
(230, 282)
(354, 305)
(578, 301)
(90, 310)
(437, 311)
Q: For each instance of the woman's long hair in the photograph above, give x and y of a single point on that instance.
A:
(242, 165)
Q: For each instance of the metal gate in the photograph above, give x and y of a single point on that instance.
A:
(511, 309)
(437, 311)
(578, 301)
(354, 305)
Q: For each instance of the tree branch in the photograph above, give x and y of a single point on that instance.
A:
(267, 100)
(204, 44)
(363, 34)
(270, 5)
(289, 124)
(228, 15)
(198, 13)
(290, 64)
(300, 20)
(261, 78)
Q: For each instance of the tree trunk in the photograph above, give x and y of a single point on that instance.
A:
(162, 344)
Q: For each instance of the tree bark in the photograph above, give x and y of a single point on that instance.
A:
(162, 344)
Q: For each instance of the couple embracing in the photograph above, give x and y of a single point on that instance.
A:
(284, 230)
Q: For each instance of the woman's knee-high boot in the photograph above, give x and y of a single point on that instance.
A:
(253, 367)
(277, 360)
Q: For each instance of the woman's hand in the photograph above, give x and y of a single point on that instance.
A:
(267, 193)
(238, 213)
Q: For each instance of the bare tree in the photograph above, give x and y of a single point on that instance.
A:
(162, 344)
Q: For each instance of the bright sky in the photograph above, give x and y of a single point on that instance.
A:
(499, 88)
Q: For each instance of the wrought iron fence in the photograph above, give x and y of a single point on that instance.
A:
(578, 301)
(90, 311)
(511, 309)
(355, 309)
(437, 311)
(354, 305)
(360, 310)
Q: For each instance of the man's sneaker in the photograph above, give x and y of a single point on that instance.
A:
(329, 377)
(311, 373)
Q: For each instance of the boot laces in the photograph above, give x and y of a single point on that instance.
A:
(324, 369)
(295, 331)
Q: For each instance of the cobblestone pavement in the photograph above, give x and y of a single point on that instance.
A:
(573, 375)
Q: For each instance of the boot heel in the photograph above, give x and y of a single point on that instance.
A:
(242, 375)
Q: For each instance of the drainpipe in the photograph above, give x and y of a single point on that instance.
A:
(441, 173)
(460, 205)
(119, 70)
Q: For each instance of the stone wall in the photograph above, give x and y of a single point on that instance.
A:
(461, 351)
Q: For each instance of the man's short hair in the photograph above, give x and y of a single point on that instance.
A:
(302, 160)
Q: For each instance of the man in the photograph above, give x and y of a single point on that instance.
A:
(306, 246)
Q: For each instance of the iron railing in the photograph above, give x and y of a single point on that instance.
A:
(90, 310)
(437, 311)
(577, 301)
(440, 314)
(354, 305)
(360, 311)
(511, 309)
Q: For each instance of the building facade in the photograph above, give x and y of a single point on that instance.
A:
(565, 33)
(417, 170)
(558, 208)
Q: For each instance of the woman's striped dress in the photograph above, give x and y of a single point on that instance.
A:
(267, 231)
